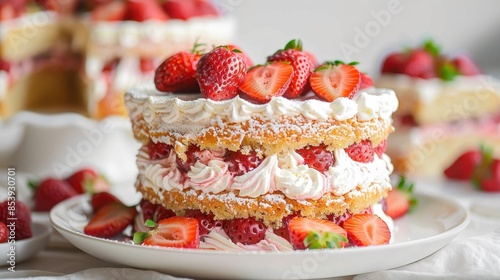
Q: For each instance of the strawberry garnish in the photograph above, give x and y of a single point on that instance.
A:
(317, 157)
(248, 61)
(4, 233)
(110, 11)
(367, 230)
(110, 220)
(365, 81)
(22, 216)
(220, 73)
(463, 167)
(245, 230)
(399, 200)
(239, 163)
(142, 10)
(101, 199)
(311, 233)
(465, 66)
(361, 151)
(264, 82)
(158, 150)
(381, 148)
(178, 72)
(177, 232)
(50, 192)
(301, 63)
(394, 63)
(420, 64)
(87, 180)
(206, 222)
(335, 79)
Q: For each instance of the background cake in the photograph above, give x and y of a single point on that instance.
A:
(80, 56)
(256, 148)
(447, 107)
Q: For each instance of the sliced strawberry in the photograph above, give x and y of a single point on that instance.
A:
(101, 199)
(367, 230)
(158, 150)
(466, 66)
(317, 157)
(50, 192)
(463, 167)
(220, 73)
(248, 61)
(335, 79)
(361, 151)
(4, 233)
(206, 222)
(178, 73)
(420, 64)
(264, 82)
(365, 81)
(110, 11)
(239, 163)
(178, 232)
(400, 200)
(381, 148)
(246, 231)
(110, 220)
(301, 63)
(339, 220)
(180, 9)
(310, 233)
(87, 180)
(142, 10)
(394, 63)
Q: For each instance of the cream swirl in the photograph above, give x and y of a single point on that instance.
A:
(164, 174)
(212, 178)
(259, 181)
(301, 182)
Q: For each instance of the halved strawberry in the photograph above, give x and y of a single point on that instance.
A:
(101, 199)
(311, 233)
(142, 10)
(263, 82)
(463, 167)
(301, 63)
(178, 72)
(317, 157)
(400, 200)
(361, 151)
(367, 230)
(110, 11)
(110, 220)
(178, 232)
(335, 79)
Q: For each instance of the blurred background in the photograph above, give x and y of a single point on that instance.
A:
(366, 30)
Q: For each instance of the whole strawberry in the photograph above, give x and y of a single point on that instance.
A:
(463, 167)
(87, 180)
(178, 72)
(4, 233)
(220, 73)
(301, 63)
(50, 192)
(22, 215)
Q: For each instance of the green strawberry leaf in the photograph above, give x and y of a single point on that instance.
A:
(295, 44)
(448, 72)
(407, 188)
(324, 240)
(150, 223)
(431, 47)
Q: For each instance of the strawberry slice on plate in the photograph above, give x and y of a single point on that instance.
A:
(263, 82)
(400, 200)
(367, 230)
(335, 79)
(175, 232)
(101, 199)
(110, 220)
(311, 233)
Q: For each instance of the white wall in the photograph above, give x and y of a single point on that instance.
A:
(325, 26)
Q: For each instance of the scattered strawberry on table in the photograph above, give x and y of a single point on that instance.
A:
(21, 213)
(427, 62)
(478, 166)
(50, 191)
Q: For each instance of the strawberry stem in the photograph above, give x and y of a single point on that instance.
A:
(139, 237)
(407, 188)
(323, 240)
(150, 223)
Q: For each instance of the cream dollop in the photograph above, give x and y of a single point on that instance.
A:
(213, 178)
(259, 181)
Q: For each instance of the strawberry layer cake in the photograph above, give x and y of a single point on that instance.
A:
(258, 155)
(447, 107)
(81, 56)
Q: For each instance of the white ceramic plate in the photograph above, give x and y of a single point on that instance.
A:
(27, 248)
(433, 224)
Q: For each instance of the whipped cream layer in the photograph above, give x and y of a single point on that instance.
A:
(427, 90)
(186, 113)
(284, 173)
